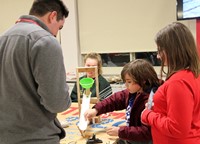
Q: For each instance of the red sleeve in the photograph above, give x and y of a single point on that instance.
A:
(177, 120)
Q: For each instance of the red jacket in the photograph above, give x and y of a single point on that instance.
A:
(119, 101)
(175, 118)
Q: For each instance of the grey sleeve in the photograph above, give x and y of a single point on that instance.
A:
(49, 72)
(74, 95)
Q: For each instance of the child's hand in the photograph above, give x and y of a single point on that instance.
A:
(90, 113)
(112, 131)
(142, 117)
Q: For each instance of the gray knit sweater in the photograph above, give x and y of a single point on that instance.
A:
(32, 85)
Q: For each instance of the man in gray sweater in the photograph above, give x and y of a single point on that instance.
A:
(32, 77)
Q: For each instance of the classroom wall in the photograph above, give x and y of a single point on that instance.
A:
(69, 38)
(10, 11)
(107, 26)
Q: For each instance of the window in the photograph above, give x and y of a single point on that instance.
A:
(120, 59)
(150, 56)
(115, 59)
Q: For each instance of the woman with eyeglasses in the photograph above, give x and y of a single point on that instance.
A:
(175, 116)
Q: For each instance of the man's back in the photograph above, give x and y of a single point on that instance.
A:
(33, 88)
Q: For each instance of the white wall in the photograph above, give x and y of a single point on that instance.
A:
(10, 10)
(69, 38)
(108, 26)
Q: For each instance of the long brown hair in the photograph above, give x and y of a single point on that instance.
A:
(178, 44)
(142, 72)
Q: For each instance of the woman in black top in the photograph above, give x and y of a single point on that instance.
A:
(105, 90)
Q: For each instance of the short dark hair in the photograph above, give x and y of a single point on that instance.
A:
(41, 7)
(142, 72)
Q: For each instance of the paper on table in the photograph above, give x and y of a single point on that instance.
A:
(84, 106)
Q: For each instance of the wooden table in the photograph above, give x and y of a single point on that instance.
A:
(73, 134)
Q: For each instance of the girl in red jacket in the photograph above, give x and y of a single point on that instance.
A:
(139, 77)
(175, 117)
